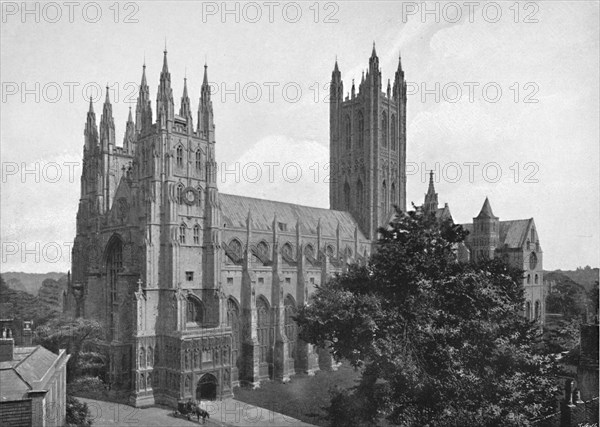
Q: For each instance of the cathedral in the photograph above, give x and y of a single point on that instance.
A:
(196, 288)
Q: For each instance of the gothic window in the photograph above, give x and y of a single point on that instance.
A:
(236, 248)
(535, 280)
(180, 193)
(233, 321)
(529, 279)
(287, 251)
(196, 234)
(199, 161)
(384, 129)
(347, 196)
(394, 195)
(528, 245)
(394, 143)
(532, 261)
(182, 234)
(537, 310)
(528, 310)
(329, 251)
(359, 194)
(309, 251)
(291, 329)
(361, 129)
(384, 197)
(114, 265)
(348, 252)
(263, 249)
(263, 327)
(348, 132)
(195, 312)
(179, 156)
(142, 357)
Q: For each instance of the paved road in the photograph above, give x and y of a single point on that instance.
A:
(229, 412)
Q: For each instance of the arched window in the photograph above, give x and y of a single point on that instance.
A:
(384, 129)
(528, 310)
(348, 252)
(263, 327)
(196, 234)
(528, 244)
(179, 156)
(359, 194)
(529, 279)
(361, 129)
(329, 251)
(347, 196)
(150, 357)
(199, 161)
(263, 249)
(394, 143)
(287, 251)
(195, 312)
(291, 329)
(142, 357)
(348, 132)
(537, 310)
(114, 265)
(532, 261)
(236, 248)
(394, 195)
(182, 234)
(535, 279)
(384, 197)
(233, 321)
(179, 194)
(309, 251)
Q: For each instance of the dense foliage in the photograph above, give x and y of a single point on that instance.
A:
(440, 342)
(22, 306)
(78, 413)
(73, 335)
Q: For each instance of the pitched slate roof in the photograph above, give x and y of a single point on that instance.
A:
(513, 234)
(486, 210)
(235, 212)
(29, 365)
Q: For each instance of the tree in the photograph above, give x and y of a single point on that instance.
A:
(74, 335)
(78, 413)
(440, 342)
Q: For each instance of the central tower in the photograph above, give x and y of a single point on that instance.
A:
(367, 145)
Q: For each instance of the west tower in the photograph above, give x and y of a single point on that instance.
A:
(367, 144)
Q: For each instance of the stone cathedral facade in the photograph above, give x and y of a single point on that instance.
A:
(197, 289)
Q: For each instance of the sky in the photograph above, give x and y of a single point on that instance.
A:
(503, 102)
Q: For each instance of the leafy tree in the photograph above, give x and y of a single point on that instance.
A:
(24, 306)
(441, 342)
(74, 335)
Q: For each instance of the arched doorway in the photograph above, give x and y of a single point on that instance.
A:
(207, 388)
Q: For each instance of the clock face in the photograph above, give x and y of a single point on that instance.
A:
(190, 195)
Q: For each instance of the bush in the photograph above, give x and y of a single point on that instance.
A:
(78, 413)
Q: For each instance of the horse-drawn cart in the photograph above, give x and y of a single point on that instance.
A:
(189, 409)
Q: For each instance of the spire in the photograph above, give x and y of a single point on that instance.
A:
(165, 68)
(185, 110)
(430, 204)
(129, 137)
(143, 109)
(205, 113)
(374, 52)
(486, 210)
(205, 79)
(335, 67)
(91, 131)
(107, 124)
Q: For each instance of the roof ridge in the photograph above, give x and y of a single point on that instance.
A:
(284, 203)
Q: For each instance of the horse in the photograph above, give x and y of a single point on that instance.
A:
(199, 412)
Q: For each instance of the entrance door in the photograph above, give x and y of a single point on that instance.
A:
(207, 388)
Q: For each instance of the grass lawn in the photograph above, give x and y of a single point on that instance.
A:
(303, 397)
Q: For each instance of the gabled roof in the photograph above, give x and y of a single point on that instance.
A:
(28, 366)
(235, 212)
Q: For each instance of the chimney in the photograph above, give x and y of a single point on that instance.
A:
(7, 346)
(27, 333)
